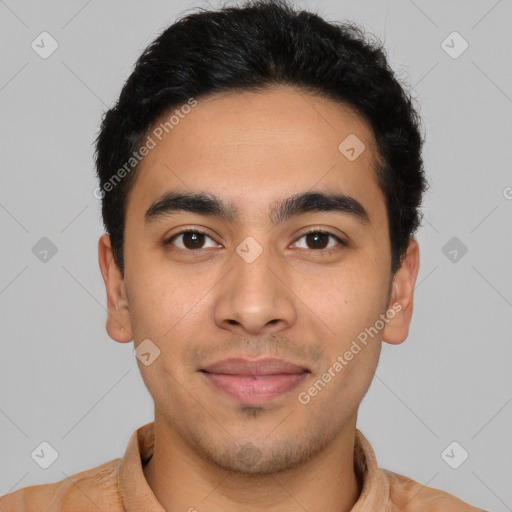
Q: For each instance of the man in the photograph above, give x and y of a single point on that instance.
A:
(260, 179)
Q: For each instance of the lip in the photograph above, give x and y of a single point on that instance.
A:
(254, 382)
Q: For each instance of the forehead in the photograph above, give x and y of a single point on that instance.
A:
(252, 147)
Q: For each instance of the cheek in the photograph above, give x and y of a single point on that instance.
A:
(340, 387)
(159, 301)
(347, 299)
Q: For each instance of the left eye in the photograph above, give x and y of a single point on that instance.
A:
(319, 240)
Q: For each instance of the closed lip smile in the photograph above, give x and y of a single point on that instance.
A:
(254, 382)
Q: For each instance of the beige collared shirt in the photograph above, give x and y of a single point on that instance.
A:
(120, 486)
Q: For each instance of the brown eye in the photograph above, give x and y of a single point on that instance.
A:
(319, 240)
(191, 240)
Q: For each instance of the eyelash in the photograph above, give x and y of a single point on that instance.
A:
(319, 231)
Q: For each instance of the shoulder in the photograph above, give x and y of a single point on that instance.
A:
(95, 488)
(407, 495)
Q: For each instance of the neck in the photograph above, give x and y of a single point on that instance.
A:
(181, 480)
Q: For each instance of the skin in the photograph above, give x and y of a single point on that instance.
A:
(292, 302)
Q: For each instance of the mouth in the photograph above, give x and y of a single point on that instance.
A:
(254, 382)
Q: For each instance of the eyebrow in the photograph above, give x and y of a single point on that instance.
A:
(212, 206)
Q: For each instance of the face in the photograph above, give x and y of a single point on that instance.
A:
(298, 281)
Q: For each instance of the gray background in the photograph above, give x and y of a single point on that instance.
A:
(62, 380)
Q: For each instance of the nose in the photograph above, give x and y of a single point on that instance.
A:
(254, 297)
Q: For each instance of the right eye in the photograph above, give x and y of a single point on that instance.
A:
(190, 240)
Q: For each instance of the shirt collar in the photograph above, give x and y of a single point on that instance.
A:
(137, 495)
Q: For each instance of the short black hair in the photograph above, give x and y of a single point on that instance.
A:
(252, 47)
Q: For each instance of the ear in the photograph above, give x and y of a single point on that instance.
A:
(401, 301)
(118, 322)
